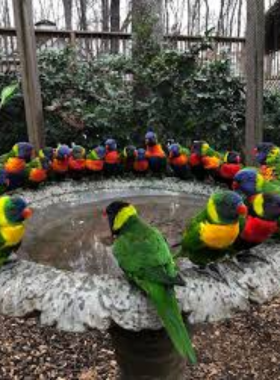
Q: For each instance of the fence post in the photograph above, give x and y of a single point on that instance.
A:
(29, 69)
(255, 75)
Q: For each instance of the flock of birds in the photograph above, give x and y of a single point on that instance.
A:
(244, 214)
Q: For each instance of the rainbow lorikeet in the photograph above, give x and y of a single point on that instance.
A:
(15, 171)
(47, 153)
(179, 161)
(209, 235)
(249, 181)
(262, 222)
(128, 157)
(144, 256)
(60, 163)
(37, 171)
(77, 162)
(266, 153)
(141, 163)
(13, 212)
(229, 166)
(95, 160)
(113, 164)
(155, 154)
(203, 160)
(22, 150)
(4, 181)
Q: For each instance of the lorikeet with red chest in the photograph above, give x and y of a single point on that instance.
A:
(203, 160)
(141, 163)
(261, 223)
(77, 162)
(230, 165)
(155, 154)
(13, 212)
(179, 161)
(95, 160)
(60, 164)
(113, 165)
(144, 256)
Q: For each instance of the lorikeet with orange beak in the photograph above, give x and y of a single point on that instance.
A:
(13, 212)
(230, 165)
(209, 235)
(155, 154)
(95, 160)
(37, 171)
(60, 164)
(77, 162)
(113, 165)
(141, 163)
(144, 256)
(203, 160)
(179, 161)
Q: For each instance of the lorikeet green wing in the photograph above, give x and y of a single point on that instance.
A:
(144, 255)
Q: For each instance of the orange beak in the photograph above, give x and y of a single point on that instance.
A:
(242, 210)
(27, 213)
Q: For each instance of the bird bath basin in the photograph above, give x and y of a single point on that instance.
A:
(69, 277)
(75, 236)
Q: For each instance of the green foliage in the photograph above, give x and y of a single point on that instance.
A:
(114, 96)
(7, 94)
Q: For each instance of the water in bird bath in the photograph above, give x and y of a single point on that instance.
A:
(76, 236)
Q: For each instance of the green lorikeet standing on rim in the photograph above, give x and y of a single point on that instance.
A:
(144, 255)
(13, 212)
(210, 234)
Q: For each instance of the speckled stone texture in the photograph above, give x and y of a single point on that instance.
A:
(75, 302)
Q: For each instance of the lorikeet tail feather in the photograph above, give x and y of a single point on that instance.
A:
(168, 310)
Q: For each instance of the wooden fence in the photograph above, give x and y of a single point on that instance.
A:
(90, 45)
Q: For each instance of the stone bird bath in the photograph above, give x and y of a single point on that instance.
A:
(76, 292)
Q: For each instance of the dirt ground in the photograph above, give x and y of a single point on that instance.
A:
(245, 347)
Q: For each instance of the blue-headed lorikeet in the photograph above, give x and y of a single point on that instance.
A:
(203, 159)
(60, 164)
(37, 171)
(155, 154)
(179, 161)
(13, 212)
(113, 165)
(77, 162)
(141, 163)
(143, 254)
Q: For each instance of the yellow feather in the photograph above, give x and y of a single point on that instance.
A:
(260, 181)
(226, 157)
(212, 212)
(258, 204)
(122, 216)
(219, 236)
(12, 235)
(3, 219)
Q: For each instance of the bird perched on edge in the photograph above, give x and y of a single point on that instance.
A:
(113, 165)
(229, 166)
(144, 255)
(209, 235)
(179, 161)
(203, 160)
(13, 212)
(128, 157)
(37, 171)
(155, 154)
(60, 164)
(141, 163)
(77, 162)
(95, 160)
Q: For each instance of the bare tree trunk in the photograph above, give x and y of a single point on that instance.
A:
(83, 19)
(239, 18)
(233, 14)
(105, 15)
(207, 14)
(68, 7)
(220, 20)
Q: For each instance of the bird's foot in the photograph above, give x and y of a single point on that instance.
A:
(247, 256)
